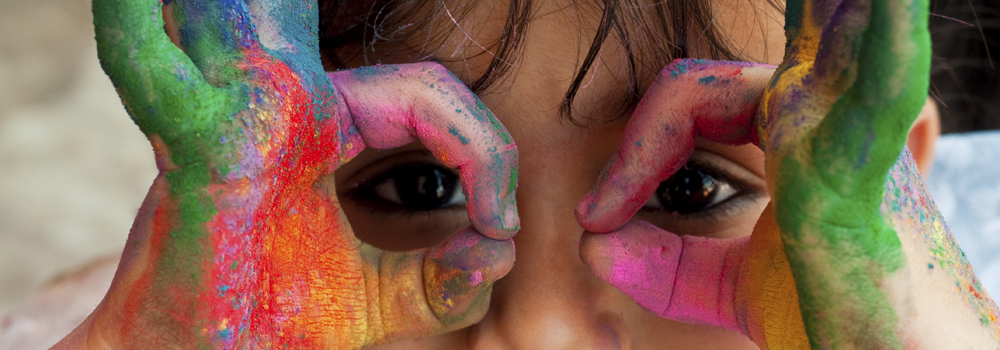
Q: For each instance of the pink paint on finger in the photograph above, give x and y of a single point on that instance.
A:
(690, 98)
(683, 278)
(639, 258)
(705, 287)
(395, 105)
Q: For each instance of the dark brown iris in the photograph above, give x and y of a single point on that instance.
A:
(687, 191)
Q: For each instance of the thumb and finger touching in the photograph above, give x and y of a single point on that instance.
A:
(187, 97)
(854, 75)
(742, 284)
(684, 278)
(394, 105)
(690, 98)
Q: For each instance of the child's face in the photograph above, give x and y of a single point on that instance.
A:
(551, 300)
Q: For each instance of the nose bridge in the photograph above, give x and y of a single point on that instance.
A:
(550, 299)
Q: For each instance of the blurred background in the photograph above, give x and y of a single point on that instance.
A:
(74, 169)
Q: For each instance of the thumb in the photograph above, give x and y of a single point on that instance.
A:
(768, 298)
(684, 278)
(434, 290)
(742, 284)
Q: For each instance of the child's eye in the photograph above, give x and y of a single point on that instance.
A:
(689, 190)
(400, 199)
(711, 196)
(413, 187)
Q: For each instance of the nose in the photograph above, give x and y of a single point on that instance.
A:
(551, 300)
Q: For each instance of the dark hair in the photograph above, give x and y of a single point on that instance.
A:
(652, 35)
(966, 36)
(963, 78)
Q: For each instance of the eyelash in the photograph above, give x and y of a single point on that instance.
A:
(719, 211)
(365, 191)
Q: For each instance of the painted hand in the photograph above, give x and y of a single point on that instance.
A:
(851, 214)
(743, 284)
(236, 246)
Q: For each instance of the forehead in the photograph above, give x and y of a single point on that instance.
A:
(751, 29)
(391, 31)
(754, 27)
(559, 35)
(541, 54)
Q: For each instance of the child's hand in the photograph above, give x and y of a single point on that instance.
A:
(743, 284)
(236, 245)
(862, 247)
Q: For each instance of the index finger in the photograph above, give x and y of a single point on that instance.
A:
(712, 99)
(395, 105)
(156, 81)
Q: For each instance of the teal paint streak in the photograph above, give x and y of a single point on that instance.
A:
(494, 122)
(452, 130)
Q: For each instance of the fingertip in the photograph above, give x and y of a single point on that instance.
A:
(596, 254)
(602, 211)
(584, 212)
(509, 219)
(459, 274)
(470, 251)
(492, 210)
(639, 259)
(592, 212)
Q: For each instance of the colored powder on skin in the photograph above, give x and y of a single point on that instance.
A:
(908, 203)
(827, 203)
(239, 216)
(245, 251)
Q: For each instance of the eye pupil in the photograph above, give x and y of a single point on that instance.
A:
(424, 187)
(687, 191)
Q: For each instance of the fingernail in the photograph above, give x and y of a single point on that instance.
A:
(585, 207)
(511, 221)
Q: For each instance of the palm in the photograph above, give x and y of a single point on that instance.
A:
(242, 249)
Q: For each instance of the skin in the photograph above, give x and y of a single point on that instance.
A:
(551, 298)
(243, 129)
(859, 248)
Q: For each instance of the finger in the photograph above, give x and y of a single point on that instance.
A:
(711, 99)
(864, 132)
(804, 22)
(287, 29)
(819, 63)
(743, 284)
(156, 81)
(435, 290)
(769, 303)
(837, 53)
(395, 105)
(216, 34)
(683, 278)
(639, 259)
